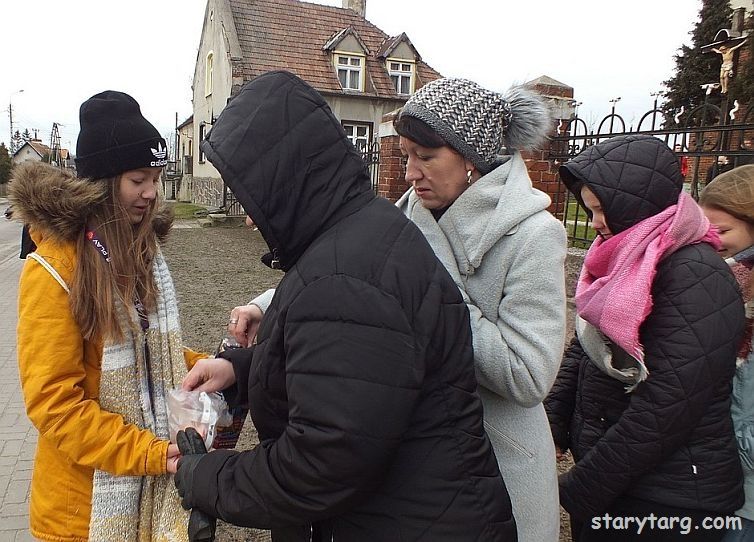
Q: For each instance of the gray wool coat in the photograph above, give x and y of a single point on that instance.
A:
(506, 253)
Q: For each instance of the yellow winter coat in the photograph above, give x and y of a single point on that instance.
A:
(60, 375)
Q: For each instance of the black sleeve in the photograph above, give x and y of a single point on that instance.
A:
(352, 381)
(238, 394)
(27, 245)
(684, 359)
(561, 401)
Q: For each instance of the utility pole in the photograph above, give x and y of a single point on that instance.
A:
(10, 119)
(176, 154)
(55, 146)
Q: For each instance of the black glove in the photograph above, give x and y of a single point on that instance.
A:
(201, 527)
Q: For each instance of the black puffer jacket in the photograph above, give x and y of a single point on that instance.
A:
(671, 440)
(362, 383)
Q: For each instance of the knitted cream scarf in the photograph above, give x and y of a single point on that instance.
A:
(141, 508)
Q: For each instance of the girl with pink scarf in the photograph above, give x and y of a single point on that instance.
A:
(642, 398)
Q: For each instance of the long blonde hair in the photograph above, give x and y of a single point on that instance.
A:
(732, 192)
(101, 288)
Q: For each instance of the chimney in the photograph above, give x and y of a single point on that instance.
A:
(359, 6)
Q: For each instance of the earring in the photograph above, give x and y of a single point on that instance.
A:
(468, 177)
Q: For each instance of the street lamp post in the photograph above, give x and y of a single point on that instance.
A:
(612, 113)
(10, 119)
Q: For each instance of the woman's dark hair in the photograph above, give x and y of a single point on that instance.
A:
(417, 131)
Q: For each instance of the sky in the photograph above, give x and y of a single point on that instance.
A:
(61, 53)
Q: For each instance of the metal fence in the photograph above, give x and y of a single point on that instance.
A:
(231, 205)
(708, 140)
(371, 154)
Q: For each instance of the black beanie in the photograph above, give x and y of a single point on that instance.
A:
(115, 137)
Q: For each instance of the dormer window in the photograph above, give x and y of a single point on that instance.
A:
(402, 76)
(400, 59)
(350, 71)
(349, 57)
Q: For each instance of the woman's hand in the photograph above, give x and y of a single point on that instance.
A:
(174, 455)
(244, 322)
(209, 374)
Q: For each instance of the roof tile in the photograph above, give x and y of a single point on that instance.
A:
(289, 35)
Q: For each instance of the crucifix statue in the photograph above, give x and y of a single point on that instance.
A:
(726, 68)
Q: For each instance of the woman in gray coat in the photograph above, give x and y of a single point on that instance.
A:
(472, 198)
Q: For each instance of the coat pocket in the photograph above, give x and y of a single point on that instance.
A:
(502, 441)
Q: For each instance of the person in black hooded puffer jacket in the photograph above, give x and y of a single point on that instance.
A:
(642, 398)
(361, 384)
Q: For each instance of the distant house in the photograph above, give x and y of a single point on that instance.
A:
(185, 147)
(66, 159)
(34, 149)
(185, 157)
(361, 71)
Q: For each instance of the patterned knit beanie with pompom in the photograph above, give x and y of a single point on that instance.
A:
(481, 124)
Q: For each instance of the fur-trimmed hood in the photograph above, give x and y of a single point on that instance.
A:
(58, 203)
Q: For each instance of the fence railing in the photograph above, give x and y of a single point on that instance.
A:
(370, 152)
(708, 139)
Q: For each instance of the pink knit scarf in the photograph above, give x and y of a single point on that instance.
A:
(614, 291)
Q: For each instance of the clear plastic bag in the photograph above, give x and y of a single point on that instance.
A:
(200, 410)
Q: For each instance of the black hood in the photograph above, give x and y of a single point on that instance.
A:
(287, 159)
(633, 177)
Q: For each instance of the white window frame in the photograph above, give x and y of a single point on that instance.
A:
(208, 75)
(395, 68)
(352, 132)
(350, 68)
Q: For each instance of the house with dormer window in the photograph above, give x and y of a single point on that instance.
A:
(361, 71)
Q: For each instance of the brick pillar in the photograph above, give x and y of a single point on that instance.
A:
(544, 177)
(543, 170)
(391, 182)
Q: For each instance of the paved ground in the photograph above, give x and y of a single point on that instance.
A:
(17, 436)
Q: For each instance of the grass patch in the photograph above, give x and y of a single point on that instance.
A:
(183, 210)
(580, 235)
(579, 230)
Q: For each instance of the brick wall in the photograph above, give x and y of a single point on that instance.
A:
(391, 183)
(544, 177)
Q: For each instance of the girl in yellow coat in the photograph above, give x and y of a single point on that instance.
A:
(99, 341)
